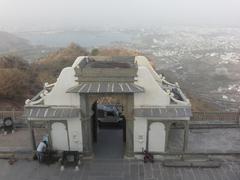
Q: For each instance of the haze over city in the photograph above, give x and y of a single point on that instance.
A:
(28, 15)
(120, 89)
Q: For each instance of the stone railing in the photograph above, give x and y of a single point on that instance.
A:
(16, 116)
(212, 117)
(197, 117)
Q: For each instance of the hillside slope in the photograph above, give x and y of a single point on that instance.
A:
(10, 42)
(20, 80)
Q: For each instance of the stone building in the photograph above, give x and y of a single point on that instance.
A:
(150, 105)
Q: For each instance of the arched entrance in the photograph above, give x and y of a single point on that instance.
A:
(177, 136)
(108, 128)
(59, 136)
(156, 137)
(90, 127)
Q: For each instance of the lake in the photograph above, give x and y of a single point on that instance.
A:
(83, 38)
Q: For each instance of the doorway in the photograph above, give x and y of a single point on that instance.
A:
(108, 128)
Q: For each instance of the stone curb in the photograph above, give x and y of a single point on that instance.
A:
(197, 164)
(18, 154)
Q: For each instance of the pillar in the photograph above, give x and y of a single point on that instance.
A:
(87, 138)
(186, 132)
(32, 136)
(167, 129)
(238, 116)
(129, 138)
(86, 126)
(128, 108)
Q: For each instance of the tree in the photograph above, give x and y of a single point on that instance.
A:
(13, 83)
(94, 52)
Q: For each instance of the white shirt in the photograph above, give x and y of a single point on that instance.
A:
(41, 147)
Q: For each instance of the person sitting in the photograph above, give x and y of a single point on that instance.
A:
(41, 149)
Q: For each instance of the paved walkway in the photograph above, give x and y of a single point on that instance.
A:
(109, 144)
(18, 141)
(116, 170)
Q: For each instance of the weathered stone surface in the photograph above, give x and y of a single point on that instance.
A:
(203, 164)
(116, 170)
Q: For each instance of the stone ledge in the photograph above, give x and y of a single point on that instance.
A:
(197, 164)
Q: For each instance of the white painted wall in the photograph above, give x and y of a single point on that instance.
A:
(75, 135)
(156, 137)
(66, 80)
(143, 61)
(140, 134)
(58, 95)
(154, 95)
(59, 136)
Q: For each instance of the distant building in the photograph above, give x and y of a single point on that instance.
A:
(150, 105)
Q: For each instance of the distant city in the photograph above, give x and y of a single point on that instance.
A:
(205, 60)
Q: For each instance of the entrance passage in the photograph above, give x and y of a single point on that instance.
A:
(108, 128)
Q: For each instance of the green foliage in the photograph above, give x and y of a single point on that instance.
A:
(95, 52)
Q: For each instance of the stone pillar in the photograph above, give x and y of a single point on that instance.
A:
(32, 136)
(86, 127)
(167, 129)
(186, 132)
(129, 138)
(128, 108)
(238, 116)
(87, 138)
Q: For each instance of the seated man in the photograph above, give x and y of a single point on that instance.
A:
(41, 149)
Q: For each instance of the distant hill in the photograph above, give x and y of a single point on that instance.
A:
(10, 42)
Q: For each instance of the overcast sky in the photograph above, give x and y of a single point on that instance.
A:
(50, 14)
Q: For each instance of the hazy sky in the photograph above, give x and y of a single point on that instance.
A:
(51, 14)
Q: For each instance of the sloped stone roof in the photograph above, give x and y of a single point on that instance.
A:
(106, 87)
(44, 112)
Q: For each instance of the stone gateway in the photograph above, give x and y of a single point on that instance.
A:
(127, 88)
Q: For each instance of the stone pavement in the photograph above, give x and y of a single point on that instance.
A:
(18, 141)
(116, 170)
(109, 144)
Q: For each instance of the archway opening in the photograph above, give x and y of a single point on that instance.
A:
(108, 128)
(176, 137)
